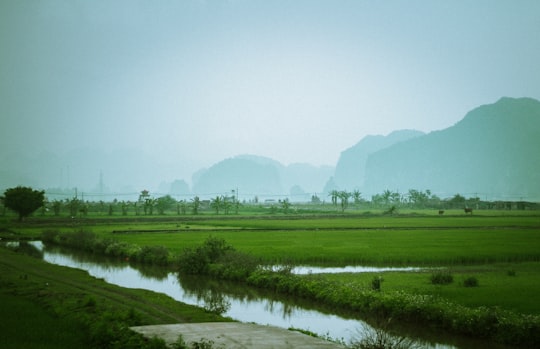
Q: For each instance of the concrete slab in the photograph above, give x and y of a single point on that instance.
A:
(236, 335)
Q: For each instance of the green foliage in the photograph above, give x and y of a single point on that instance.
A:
(442, 277)
(198, 260)
(156, 255)
(164, 203)
(23, 200)
(376, 283)
(180, 343)
(111, 331)
(471, 281)
(379, 337)
(502, 326)
(40, 328)
(392, 210)
(217, 258)
(90, 242)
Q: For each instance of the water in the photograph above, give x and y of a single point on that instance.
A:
(239, 302)
(304, 270)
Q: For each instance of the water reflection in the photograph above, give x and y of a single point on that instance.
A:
(234, 300)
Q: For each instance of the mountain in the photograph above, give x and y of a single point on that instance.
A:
(491, 153)
(259, 176)
(351, 165)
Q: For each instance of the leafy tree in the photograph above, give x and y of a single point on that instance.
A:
(418, 198)
(164, 203)
(23, 200)
(74, 206)
(458, 201)
(57, 206)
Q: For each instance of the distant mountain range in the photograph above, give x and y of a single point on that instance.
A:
(252, 176)
(493, 152)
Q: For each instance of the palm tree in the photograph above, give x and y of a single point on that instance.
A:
(196, 204)
(344, 198)
(286, 204)
(357, 196)
(334, 194)
(216, 203)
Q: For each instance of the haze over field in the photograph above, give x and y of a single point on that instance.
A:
(145, 92)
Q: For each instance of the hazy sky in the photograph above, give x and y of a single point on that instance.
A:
(194, 82)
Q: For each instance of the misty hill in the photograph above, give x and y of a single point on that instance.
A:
(492, 152)
(256, 175)
(351, 166)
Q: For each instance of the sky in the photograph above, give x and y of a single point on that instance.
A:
(191, 83)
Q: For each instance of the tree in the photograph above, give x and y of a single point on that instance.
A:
(23, 200)
(344, 199)
(285, 204)
(357, 196)
(334, 194)
(216, 203)
(195, 205)
(164, 203)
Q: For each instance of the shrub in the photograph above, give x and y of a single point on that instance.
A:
(470, 282)
(442, 278)
(50, 235)
(157, 255)
(198, 260)
(376, 283)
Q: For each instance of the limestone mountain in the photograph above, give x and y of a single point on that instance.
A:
(493, 152)
(258, 176)
(351, 166)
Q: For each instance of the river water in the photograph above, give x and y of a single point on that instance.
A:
(236, 301)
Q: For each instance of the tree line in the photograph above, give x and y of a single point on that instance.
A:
(25, 201)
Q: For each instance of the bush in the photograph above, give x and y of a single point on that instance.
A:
(470, 282)
(157, 255)
(198, 260)
(50, 236)
(376, 283)
(442, 278)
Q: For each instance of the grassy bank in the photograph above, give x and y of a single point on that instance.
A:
(47, 306)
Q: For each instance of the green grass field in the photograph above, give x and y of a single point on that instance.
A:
(486, 245)
(374, 240)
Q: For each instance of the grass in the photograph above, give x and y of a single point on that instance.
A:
(500, 249)
(416, 247)
(26, 325)
(496, 288)
(48, 306)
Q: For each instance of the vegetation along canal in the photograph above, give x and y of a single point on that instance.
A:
(230, 299)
